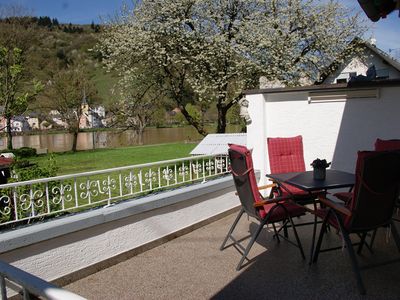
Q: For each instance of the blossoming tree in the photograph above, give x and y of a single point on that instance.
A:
(213, 50)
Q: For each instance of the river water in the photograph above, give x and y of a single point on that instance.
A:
(59, 142)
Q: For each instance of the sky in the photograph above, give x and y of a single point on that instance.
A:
(385, 31)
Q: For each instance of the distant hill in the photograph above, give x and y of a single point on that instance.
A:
(52, 46)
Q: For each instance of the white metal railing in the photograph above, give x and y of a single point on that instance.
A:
(21, 201)
(31, 285)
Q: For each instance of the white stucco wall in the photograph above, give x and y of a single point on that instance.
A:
(331, 130)
(52, 250)
(256, 132)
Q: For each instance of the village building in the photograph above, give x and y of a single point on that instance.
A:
(368, 57)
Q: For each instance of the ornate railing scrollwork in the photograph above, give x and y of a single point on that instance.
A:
(21, 201)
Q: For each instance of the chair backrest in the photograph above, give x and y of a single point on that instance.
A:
(375, 190)
(387, 145)
(245, 180)
(286, 154)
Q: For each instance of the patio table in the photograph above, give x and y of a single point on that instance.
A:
(305, 181)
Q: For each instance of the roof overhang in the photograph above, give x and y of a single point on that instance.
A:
(358, 85)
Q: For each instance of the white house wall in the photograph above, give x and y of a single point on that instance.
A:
(360, 64)
(331, 130)
(256, 131)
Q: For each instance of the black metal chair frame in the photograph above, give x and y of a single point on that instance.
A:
(339, 211)
(349, 246)
(252, 202)
(262, 222)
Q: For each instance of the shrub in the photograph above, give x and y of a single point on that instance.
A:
(22, 170)
(24, 152)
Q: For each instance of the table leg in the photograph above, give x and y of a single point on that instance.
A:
(314, 234)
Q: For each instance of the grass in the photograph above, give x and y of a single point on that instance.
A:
(84, 161)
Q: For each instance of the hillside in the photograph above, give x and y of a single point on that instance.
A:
(50, 46)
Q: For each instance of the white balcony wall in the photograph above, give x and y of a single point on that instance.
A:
(73, 247)
(331, 130)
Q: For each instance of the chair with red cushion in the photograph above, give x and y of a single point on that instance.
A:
(285, 156)
(375, 193)
(388, 145)
(380, 145)
(265, 211)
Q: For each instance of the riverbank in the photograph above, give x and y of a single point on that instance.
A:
(90, 160)
(61, 142)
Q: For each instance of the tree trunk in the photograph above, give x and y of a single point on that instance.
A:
(75, 130)
(140, 129)
(221, 125)
(74, 140)
(223, 108)
(140, 136)
(9, 134)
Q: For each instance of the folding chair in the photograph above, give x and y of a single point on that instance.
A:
(286, 155)
(371, 207)
(380, 145)
(265, 211)
(389, 145)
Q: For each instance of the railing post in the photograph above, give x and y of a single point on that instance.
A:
(3, 288)
(26, 294)
(204, 172)
(109, 190)
(47, 197)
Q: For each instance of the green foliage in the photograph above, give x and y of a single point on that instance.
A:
(23, 171)
(233, 116)
(68, 89)
(194, 112)
(158, 119)
(24, 152)
(13, 95)
(72, 29)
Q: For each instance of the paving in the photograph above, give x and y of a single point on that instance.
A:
(193, 267)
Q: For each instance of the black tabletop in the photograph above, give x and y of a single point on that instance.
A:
(305, 180)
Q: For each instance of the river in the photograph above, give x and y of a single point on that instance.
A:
(60, 142)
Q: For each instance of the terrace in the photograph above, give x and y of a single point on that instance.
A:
(166, 244)
(193, 267)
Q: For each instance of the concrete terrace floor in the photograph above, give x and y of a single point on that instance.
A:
(193, 267)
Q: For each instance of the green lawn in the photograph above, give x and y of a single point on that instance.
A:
(98, 159)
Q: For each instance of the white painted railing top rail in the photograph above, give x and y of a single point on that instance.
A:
(21, 201)
(30, 284)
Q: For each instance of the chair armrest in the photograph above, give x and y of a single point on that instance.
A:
(336, 206)
(270, 201)
(264, 187)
